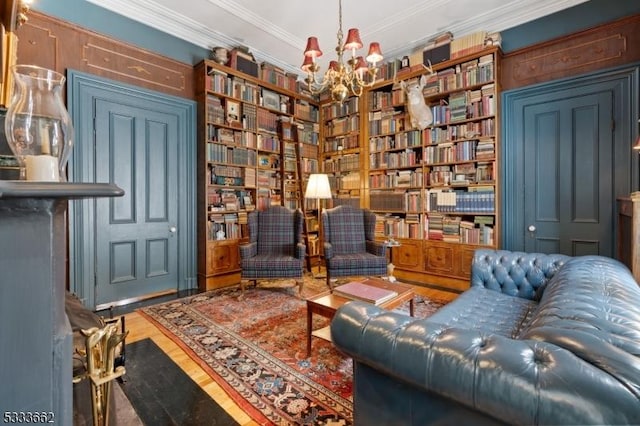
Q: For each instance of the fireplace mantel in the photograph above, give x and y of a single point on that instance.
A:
(35, 337)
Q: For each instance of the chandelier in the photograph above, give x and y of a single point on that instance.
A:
(342, 79)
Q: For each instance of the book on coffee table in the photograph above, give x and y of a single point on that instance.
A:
(360, 291)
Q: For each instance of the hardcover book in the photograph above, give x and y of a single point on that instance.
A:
(359, 291)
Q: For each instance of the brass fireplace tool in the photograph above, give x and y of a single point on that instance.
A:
(100, 356)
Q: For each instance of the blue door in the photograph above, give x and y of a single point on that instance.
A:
(142, 244)
(136, 244)
(566, 154)
(569, 175)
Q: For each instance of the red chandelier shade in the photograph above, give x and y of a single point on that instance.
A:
(313, 48)
(353, 40)
(375, 54)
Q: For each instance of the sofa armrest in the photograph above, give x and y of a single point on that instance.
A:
(248, 250)
(515, 273)
(301, 250)
(376, 247)
(517, 382)
(328, 250)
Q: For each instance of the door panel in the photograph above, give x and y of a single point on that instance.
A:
(135, 244)
(569, 168)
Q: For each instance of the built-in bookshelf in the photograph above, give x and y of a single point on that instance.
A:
(436, 190)
(243, 162)
(341, 149)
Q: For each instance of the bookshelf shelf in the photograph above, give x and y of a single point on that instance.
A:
(241, 160)
(436, 189)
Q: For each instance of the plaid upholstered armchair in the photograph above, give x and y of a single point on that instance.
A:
(275, 248)
(350, 248)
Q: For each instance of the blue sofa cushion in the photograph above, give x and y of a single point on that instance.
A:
(488, 311)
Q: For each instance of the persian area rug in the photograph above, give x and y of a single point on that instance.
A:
(255, 349)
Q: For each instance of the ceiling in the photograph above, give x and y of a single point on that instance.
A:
(276, 31)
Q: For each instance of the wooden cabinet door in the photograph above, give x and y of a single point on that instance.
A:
(439, 258)
(222, 256)
(408, 255)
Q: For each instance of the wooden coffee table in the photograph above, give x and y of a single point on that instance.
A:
(326, 304)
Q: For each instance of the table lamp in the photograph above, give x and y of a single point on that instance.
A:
(318, 188)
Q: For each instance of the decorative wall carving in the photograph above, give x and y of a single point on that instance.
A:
(52, 43)
(604, 46)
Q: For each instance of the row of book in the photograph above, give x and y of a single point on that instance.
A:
(412, 138)
(436, 226)
(394, 159)
(379, 100)
(387, 121)
(347, 181)
(341, 126)
(218, 153)
(342, 163)
(456, 229)
(459, 132)
(461, 201)
(277, 76)
(305, 111)
(460, 109)
(238, 88)
(342, 142)
(396, 179)
(309, 133)
(333, 110)
(438, 176)
(450, 152)
(227, 199)
(452, 79)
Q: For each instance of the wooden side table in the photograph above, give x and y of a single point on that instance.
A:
(326, 304)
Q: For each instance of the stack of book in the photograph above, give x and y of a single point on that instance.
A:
(357, 290)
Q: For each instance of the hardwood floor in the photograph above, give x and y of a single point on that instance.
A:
(140, 328)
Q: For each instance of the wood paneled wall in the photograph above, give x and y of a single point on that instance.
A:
(58, 45)
(605, 46)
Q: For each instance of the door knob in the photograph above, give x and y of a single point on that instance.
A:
(173, 229)
(532, 228)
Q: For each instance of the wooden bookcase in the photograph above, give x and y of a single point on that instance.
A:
(341, 149)
(437, 190)
(241, 160)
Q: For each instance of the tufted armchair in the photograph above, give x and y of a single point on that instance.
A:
(349, 245)
(275, 248)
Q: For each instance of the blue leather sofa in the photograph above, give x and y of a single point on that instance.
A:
(537, 339)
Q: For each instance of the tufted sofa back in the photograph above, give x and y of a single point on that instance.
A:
(514, 273)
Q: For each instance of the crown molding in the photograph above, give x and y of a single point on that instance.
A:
(152, 14)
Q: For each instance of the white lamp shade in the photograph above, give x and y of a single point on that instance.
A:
(318, 187)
